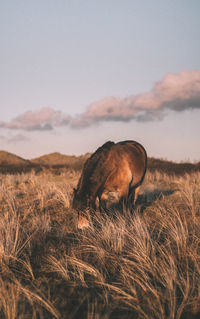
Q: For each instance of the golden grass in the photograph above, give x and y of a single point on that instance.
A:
(141, 264)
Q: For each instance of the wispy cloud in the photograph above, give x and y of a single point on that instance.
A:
(14, 138)
(176, 92)
(18, 138)
(42, 120)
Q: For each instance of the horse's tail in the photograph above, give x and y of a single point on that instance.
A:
(145, 164)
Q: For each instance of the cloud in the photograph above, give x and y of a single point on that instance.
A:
(176, 92)
(18, 138)
(14, 138)
(42, 120)
(108, 109)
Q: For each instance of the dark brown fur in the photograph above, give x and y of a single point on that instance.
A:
(114, 168)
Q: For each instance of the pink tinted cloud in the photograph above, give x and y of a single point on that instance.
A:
(174, 91)
(177, 92)
(44, 119)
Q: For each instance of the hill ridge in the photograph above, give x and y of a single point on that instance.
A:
(11, 163)
(7, 158)
(57, 158)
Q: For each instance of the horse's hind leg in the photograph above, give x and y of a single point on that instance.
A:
(136, 192)
(133, 195)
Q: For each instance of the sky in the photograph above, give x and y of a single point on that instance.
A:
(75, 74)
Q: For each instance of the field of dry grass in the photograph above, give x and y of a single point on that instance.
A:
(141, 264)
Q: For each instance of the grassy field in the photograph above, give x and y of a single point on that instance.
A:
(141, 264)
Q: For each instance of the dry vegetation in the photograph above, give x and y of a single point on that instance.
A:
(144, 264)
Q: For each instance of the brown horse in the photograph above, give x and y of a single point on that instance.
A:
(117, 169)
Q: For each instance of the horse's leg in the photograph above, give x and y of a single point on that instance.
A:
(100, 203)
(103, 198)
(84, 217)
(136, 192)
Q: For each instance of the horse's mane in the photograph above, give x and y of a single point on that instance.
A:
(94, 169)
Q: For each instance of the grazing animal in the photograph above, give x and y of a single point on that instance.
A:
(113, 169)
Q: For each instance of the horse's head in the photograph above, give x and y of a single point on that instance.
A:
(79, 200)
(80, 204)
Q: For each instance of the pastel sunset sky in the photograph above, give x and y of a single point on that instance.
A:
(77, 73)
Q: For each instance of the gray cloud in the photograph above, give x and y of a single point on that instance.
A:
(18, 138)
(177, 92)
(14, 138)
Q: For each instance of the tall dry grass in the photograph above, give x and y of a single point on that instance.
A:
(128, 264)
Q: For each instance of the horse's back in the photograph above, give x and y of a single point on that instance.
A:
(136, 150)
(126, 163)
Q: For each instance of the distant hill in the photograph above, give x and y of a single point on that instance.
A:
(171, 167)
(58, 159)
(10, 163)
(7, 158)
